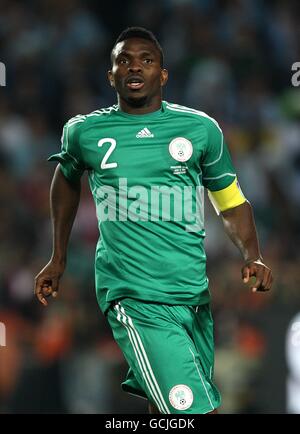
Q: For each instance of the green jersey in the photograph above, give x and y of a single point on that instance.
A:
(147, 174)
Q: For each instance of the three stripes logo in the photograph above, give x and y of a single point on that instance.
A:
(144, 134)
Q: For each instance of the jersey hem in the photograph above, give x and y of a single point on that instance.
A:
(105, 303)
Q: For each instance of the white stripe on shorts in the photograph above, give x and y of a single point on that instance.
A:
(146, 375)
(130, 323)
(203, 384)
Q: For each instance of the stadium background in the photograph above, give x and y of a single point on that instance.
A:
(231, 59)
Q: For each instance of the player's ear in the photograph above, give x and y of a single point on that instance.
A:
(163, 77)
(110, 78)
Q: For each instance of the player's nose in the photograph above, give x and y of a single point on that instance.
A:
(135, 66)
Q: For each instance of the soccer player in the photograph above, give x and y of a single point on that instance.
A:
(148, 162)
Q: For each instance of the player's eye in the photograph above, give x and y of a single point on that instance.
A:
(148, 61)
(123, 61)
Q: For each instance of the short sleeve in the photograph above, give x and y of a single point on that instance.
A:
(216, 165)
(70, 158)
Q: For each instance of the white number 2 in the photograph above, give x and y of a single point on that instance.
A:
(113, 143)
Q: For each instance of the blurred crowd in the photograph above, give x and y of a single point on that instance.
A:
(229, 58)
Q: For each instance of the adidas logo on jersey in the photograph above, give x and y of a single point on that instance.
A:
(144, 133)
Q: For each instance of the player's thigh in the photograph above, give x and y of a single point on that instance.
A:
(163, 357)
(202, 332)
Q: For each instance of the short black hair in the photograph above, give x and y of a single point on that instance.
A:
(140, 32)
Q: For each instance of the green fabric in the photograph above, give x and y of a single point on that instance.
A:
(147, 251)
(167, 346)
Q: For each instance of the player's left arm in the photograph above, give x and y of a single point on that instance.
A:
(240, 226)
(220, 179)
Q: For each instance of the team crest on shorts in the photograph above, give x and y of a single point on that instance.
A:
(181, 397)
(181, 149)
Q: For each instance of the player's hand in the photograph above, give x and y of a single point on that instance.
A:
(261, 272)
(47, 281)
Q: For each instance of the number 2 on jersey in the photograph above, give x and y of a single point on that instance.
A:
(113, 143)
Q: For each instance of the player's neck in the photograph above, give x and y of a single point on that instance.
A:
(144, 107)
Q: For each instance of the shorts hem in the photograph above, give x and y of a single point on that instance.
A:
(133, 391)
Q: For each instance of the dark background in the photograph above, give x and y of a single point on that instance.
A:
(231, 59)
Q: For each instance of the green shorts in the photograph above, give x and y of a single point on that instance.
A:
(170, 351)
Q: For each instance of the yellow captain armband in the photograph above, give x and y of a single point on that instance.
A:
(227, 198)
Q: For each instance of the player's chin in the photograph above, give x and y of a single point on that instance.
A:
(136, 99)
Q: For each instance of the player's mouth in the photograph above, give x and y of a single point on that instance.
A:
(135, 83)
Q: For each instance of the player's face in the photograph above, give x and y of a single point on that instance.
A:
(136, 73)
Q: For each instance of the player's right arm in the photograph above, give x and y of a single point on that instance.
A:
(64, 201)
